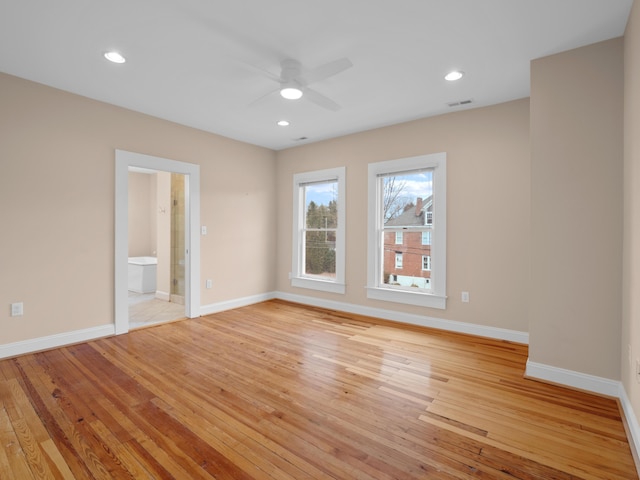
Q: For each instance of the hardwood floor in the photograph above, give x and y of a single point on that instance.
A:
(280, 391)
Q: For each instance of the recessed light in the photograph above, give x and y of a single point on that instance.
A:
(283, 123)
(114, 57)
(453, 76)
(291, 93)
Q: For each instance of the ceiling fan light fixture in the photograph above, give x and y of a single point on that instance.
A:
(114, 57)
(291, 93)
(454, 75)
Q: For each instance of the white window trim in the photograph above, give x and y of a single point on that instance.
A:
(399, 236)
(437, 297)
(298, 279)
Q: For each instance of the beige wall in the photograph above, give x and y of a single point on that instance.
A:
(488, 191)
(576, 214)
(57, 194)
(142, 214)
(530, 217)
(630, 345)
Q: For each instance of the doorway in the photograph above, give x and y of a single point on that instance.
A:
(188, 258)
(156, 256)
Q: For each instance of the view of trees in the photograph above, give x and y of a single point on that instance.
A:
(393, 197)
(321, 223)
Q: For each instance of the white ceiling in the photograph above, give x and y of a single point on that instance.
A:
(201, 63)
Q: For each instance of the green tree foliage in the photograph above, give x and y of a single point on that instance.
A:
(320, 245)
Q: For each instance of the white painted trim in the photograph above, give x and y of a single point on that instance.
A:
(317, 284)
(160, 295)
(594, 384)
(337, 175)
(407, 297)
(633, 433)
(412, 319)
(236, 303)
(375, 289)
(124, 160)
(55, 341)
(570, 378)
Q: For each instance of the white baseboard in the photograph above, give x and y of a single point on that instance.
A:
(236, 303)
(412, 319)
(599, 385)
(570, 378)
(164, 296)
(54, 341)
(534, 370)
(633, 427)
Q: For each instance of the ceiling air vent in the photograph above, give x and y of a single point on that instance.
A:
(460, 103)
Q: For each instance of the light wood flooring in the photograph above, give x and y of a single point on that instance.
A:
(279, 391)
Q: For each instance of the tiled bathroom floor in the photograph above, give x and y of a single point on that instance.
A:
(145, 310)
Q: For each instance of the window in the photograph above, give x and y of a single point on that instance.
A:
(408, 197)
(318, 230)
(398, 238)
(398, 261)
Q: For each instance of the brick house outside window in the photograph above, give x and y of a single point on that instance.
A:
(413, 249)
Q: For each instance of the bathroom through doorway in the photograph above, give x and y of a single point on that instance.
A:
(156, 255)
(157, 235)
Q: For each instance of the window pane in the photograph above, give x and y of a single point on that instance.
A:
(321, 221)
(321, 205)
(407, 203)
(407, 199)
(320, 254)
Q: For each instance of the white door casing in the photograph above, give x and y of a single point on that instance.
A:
(124, 160)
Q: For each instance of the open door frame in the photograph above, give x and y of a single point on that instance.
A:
(124, 160)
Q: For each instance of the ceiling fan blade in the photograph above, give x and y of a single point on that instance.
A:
(327, 70)
(320, 100)
(261, 97)
(262, 71)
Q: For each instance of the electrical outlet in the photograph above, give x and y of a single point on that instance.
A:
(17, 309)
(209, 283)
(465, 297)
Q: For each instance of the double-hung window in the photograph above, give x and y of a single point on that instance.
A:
(319, 230)
(407, 199)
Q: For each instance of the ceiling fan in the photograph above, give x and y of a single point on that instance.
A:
(294, 80)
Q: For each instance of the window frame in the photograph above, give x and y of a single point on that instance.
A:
(298, 277)
(428, 262)
(376, 289)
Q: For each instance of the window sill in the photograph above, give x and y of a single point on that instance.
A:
(322, 285)
(398, 296)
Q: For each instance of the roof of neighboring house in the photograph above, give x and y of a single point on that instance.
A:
(413, 217)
